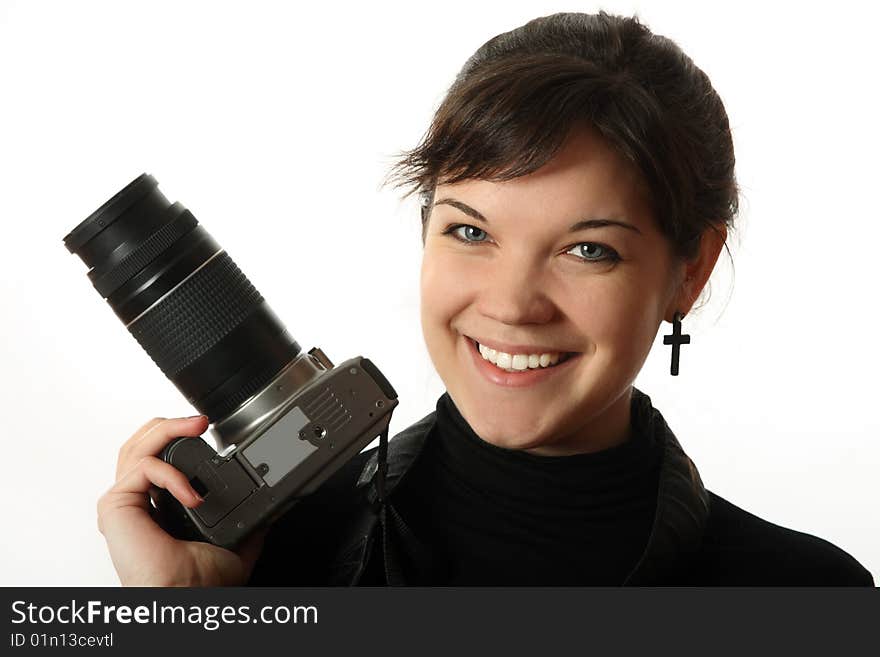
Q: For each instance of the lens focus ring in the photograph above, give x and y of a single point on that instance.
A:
(196, 314)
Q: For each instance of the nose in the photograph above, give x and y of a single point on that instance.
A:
(515, 293)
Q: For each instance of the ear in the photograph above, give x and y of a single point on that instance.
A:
(695, 273)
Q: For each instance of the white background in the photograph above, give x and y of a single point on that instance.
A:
(275, 124)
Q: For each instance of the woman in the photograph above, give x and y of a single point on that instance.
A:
(577, 186)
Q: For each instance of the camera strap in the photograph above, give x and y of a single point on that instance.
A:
(407, 559)
(382, 468)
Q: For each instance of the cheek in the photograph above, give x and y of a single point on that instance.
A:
(612, 312)
(595, 304)
(441, 291)
(430, 286)
(635, 322)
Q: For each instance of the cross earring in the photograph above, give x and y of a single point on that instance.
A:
(676, 340)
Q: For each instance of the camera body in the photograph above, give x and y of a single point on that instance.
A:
(279, 456)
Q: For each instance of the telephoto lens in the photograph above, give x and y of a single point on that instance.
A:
(283, 420)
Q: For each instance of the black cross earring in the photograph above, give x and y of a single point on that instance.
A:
(676, 340)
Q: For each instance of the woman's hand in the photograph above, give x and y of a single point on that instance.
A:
(142, 552)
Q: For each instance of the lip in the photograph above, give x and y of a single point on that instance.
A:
(521, 379)
(519, 348)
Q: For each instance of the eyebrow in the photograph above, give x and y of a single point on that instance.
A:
(580, 225)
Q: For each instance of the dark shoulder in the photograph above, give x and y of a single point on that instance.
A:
(741, 549)
(300, 545)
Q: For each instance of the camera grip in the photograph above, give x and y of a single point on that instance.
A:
(224, 484)
(170, 514)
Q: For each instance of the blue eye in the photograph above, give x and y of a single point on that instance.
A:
(466, 233)
(587, 254)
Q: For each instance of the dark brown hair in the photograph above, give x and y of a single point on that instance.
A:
(519, 95)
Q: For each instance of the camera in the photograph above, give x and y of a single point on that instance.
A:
(283, 420)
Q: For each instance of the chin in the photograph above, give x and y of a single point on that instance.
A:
(509, 433)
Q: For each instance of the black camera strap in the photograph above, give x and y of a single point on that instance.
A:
(407, 559)
(382, 468)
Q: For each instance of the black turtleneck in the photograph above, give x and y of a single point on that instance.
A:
(495, 516)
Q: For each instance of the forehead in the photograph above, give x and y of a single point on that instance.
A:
(587, 178)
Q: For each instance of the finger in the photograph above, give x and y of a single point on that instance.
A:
(137, 435)
(150, 471)
(131, 491)
(154, 440)
(134, 439)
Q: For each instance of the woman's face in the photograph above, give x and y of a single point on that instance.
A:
(518, 267)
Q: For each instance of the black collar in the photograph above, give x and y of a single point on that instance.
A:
(679, 521)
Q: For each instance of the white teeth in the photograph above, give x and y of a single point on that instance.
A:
(518, 362)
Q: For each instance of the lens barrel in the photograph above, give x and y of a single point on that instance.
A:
(182, 297)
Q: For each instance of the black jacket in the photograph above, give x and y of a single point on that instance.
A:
(341, 536)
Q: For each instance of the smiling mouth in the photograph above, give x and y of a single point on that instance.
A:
(521, 362)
